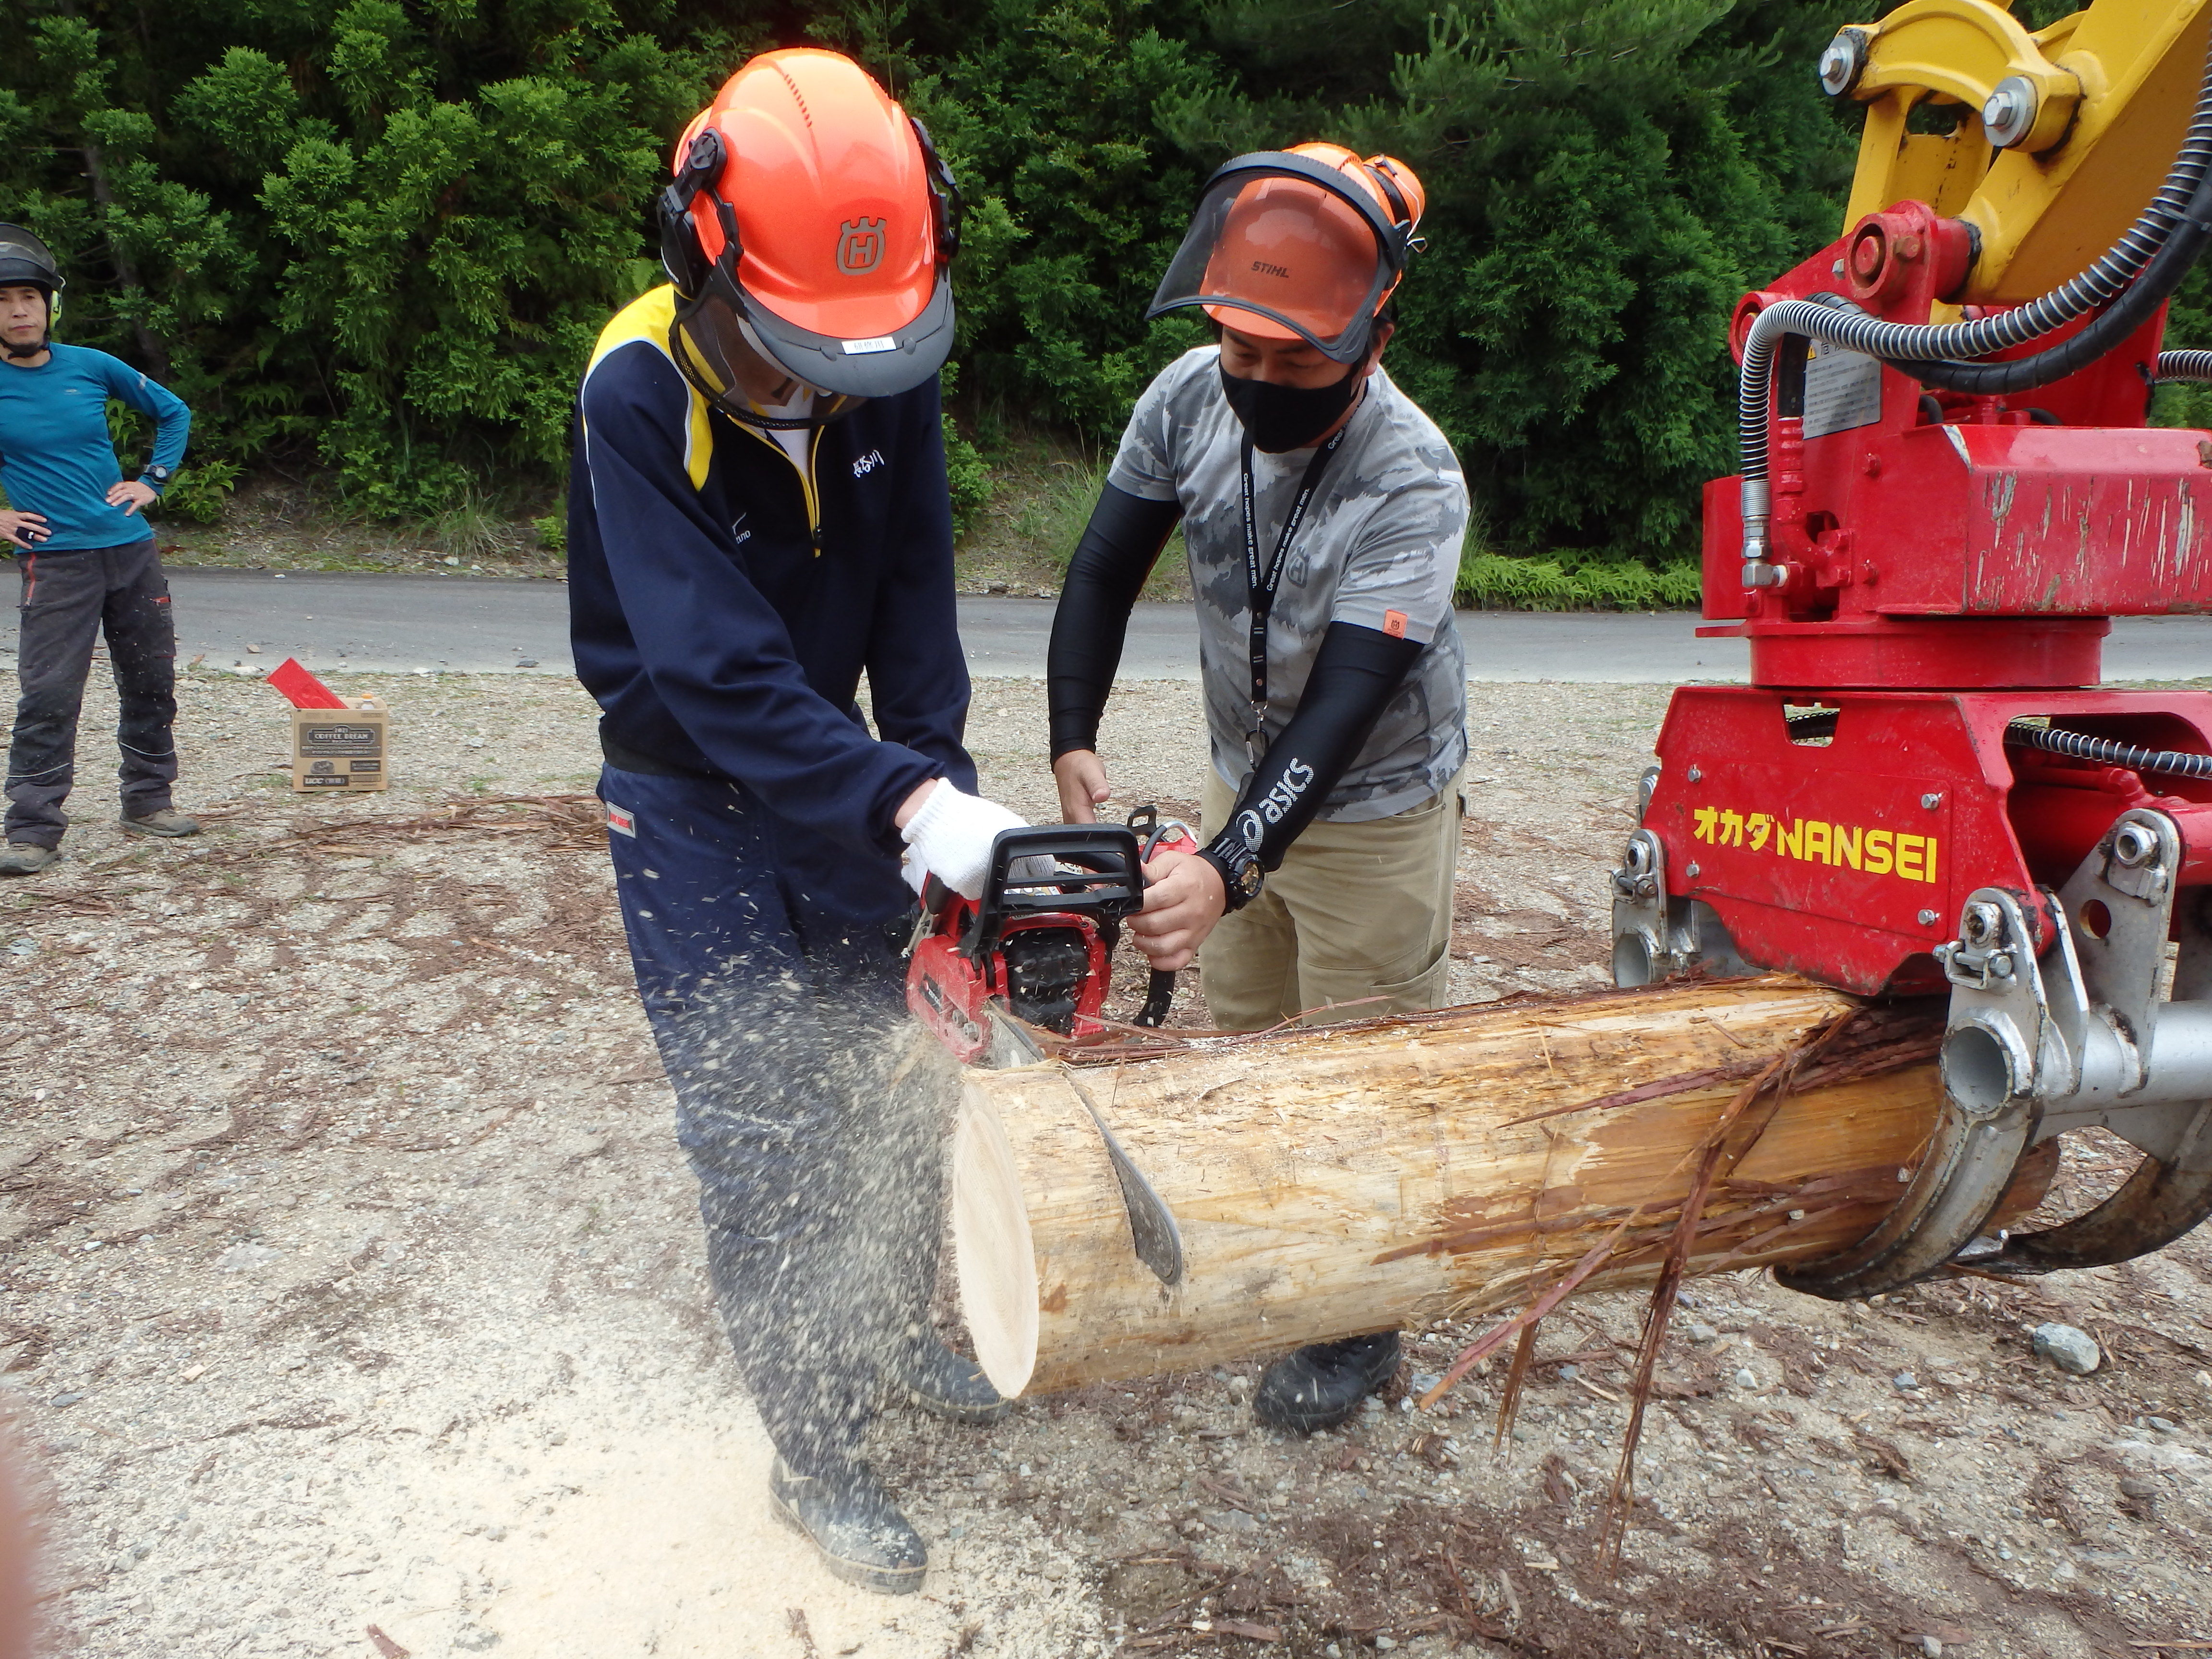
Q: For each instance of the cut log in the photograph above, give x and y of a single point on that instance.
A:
(1353, 1178)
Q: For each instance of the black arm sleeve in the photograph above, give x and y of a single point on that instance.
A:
(1354, 675)
(1120, 546)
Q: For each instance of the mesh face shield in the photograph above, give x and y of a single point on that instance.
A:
(1284, 247)
(724, 337)
(720, 352)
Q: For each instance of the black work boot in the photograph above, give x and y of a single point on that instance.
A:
(848, 1516)
(942, 1383)
(1319, 1387)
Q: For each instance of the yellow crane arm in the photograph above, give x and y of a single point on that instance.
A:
(2086, 113)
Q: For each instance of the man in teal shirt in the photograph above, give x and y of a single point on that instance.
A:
(89, 565)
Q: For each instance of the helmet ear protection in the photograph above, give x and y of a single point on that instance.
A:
(686, 262)
(1384, 172)
(945, 204)
(681, 255)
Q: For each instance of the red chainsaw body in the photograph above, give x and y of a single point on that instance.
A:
(1039, 943)
(1950, 562)
(946, 987)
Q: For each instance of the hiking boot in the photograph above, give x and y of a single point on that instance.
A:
(1319, 1387)
(945, 1385)
(850, 1518)
(167, 822)
(26, 858)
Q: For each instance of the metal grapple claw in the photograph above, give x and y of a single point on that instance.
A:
(2075, 1035)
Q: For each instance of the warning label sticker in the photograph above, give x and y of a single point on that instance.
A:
(1843, 389)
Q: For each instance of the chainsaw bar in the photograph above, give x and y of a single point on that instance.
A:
(1152, 1230)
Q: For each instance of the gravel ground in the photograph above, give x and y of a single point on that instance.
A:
(351, 1298)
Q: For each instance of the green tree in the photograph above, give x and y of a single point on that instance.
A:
(381, 234)
(1077, 198)
(390, 232)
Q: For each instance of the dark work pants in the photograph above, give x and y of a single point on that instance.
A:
(811, 1109)
(70, 597)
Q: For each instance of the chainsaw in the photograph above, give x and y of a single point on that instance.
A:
(1038, 944)
(1034, 953)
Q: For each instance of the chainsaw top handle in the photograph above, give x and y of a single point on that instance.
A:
(1095, 872)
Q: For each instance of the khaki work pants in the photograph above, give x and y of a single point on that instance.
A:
(1360, 913)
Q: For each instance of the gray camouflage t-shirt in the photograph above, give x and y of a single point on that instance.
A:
(1379, 548)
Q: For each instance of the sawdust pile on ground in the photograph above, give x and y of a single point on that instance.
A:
(350, 1278)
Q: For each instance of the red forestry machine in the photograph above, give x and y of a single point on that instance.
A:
(1948, 490)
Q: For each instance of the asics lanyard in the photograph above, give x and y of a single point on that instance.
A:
(1259, 585)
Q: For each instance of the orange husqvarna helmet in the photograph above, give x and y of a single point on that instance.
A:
(1307, 243)
(811, 223)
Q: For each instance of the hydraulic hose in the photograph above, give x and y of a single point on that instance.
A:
(2184, 365)
(2104, 280)
(2184, 246)
(2108, 752)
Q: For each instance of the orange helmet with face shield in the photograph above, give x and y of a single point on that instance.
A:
(811, 223)
(1307, 243)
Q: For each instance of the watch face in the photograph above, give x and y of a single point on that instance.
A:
(1248, 879)
(158, 474)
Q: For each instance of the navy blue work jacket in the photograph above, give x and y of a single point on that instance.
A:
(724, 605)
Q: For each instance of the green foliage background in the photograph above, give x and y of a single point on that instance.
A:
(379, 237)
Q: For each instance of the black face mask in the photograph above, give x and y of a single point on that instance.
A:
(1280, 417)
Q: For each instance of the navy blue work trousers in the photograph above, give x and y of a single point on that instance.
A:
(811, 1109)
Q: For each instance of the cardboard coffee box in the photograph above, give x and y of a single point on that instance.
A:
(340, 748)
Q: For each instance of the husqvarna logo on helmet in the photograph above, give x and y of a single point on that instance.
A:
(859, 245)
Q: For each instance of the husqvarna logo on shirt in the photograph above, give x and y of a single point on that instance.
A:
(868, 462)
(859, 245)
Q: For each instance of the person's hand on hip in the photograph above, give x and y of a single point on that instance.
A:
(131, 495)
(24, 530)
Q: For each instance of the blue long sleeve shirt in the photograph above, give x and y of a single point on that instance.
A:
(56, 457)
(724, 603)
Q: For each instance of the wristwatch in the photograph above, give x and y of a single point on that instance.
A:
(1241, 875)
(158, 475)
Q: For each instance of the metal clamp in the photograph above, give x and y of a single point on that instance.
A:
(2078, 1036)
(1640, 952)
(1655, 936)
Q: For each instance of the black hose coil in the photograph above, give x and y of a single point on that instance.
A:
(2108, 752)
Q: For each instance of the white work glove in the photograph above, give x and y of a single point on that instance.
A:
(952, 837)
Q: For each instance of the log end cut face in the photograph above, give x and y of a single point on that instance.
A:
(993, 1252)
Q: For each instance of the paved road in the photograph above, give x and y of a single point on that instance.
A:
(399, 624)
